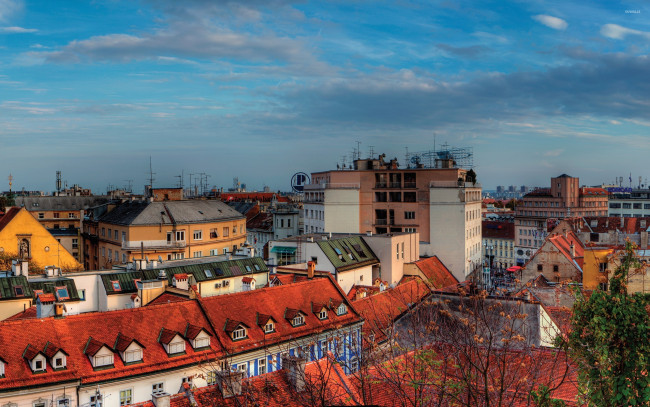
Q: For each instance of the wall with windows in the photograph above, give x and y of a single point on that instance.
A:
(393, 251)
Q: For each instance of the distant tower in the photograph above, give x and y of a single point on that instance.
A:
(11, 178)
(58, 182)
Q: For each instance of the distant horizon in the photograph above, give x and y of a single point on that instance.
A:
(262, 90)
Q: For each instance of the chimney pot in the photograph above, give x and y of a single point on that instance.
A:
(295, 367)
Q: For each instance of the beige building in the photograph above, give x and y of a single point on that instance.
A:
(379, 197)
(167, 229)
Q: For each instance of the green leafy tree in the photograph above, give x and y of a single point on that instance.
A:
(610, 340)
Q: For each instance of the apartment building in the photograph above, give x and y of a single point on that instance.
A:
(629, 203)
(564, 199)
(499, 242)
(168, 229)
(379, 197)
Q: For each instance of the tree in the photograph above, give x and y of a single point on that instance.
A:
(610, 340)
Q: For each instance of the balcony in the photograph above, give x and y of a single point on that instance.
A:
(381, 185)
(329, 185)
(410, 185)
(453, 184)
(381, 221)
(153, 244)
(395, 185)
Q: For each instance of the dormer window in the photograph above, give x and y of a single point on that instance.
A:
(341, 310)
(172, 341)
(18, 290)
(2, 368)
(199, 338)
(103, 360)
(323, 314)
(130, 350)
(38, 365)
(239, 333)
(59, 363)
(202, 342)
(269, 327)
(176, 347)
(133, 355)
(298, 320)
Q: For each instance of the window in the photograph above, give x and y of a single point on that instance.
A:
(96, 401)
(298, 320)
(103, 360)
(56, 215)
(198, 235)
(126, 397)
(242, 367)
(176, 347)
(109, 232)
(110, 254)
(248, 268)
(123, 257)
(261, 366)
(202, 342)
(124, 236)
(627, 205)
(116, 286)
(211, 378)
(82, 294)
(257, 267)
(18, 290)
(342, 309)
(103, 231)
(409, 215)
(38, 365)
(269, 327)
(197, 254)
(65, 402)
(540, 267)
(41, 215)
(322, 314)
(226, 232)
(180, 235)
(214, 234)
(134, 355)
(58, 363)
(556, 268)
(158, 388)
(75, 243)
(208, 272)
(239, 333)
(603, 267)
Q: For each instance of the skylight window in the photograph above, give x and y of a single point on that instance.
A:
(336, 249)
(18, 290)
(62, 293)
(208, 273)
(257, 267)
(248, 268)
(116, 286)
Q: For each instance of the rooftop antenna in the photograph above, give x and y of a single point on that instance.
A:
(129, 185)
(58, 181)
(372, 152)
(358, 150)
(151, 178)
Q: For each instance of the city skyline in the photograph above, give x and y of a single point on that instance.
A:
(263, 90)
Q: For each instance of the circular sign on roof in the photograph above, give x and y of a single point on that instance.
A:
(298, 181)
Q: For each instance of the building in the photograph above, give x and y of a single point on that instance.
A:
(134, 355)
(378, 197)
(559, 259)
(628, 202)
(499, 243)
(62, 216)
(162, 229)
(432, 271)
(564, 199)
(23, 237)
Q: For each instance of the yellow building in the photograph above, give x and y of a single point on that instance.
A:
(600, 263)
(174, 229)
(23, 237)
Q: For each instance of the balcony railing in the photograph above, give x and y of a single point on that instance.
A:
(381, 221)
(395, 185)
(381, 185)
(453, 184)
(153, 244)
(410, 184)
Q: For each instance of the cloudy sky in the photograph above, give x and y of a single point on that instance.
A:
(263, 89)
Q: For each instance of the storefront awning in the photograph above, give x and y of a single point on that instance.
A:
(283, 250)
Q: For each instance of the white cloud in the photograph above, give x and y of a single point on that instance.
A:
(8, 8)
(552, 22)
(554, 153)
(17, 30)
(618, 32)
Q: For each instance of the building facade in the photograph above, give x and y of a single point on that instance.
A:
(378, 197)
(629, 203)
(499, 243)
(564, 199)
(168, 229)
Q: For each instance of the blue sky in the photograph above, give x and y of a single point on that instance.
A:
(263, 89)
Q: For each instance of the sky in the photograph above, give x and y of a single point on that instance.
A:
(260, 90)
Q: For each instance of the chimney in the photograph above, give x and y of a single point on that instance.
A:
(161, 399)
(573, 251)
(369, 233)
(311, 267)
(162, 275)
(230, 383)
(295, 368)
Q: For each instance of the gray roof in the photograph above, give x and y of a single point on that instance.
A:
(59, 203)
(220, 269)
(242, 207)
(169, 212)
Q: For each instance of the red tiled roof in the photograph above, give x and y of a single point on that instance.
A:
(381, 310)
(167, 335)
(367, 289)
(436, 273)
(261, 220)
(262, 319)
(93, 346)
(274, 301)
(604, 224)
(30, 352)
(247, 280)
(50, 350)
(122, 342)
(46, 297)
(27, 314)
(325, 381)
(563, 244)
(192, 331)
(73, 332)
(593, 192)
(181, 276)
(287, 278)
(166, 298)
(252, 196)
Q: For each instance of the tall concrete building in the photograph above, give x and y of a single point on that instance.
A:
(378, 197)
(564, 199)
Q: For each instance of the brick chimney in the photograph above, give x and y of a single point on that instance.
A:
(230, 383)
(295, 368)
(311, 268)
(573, 251)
